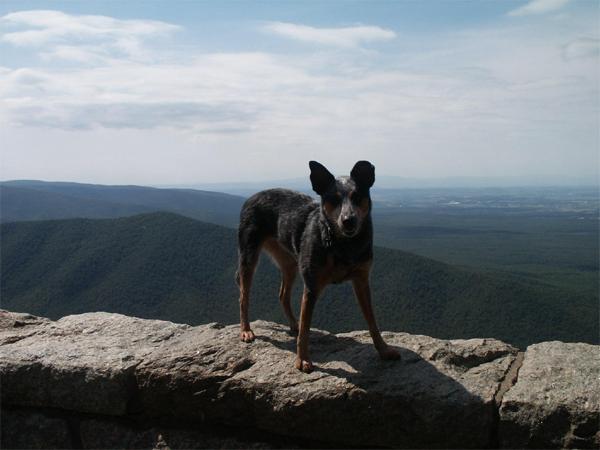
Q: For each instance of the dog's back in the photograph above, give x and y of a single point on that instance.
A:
(275, 213)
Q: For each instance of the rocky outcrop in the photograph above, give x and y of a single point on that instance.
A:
(107, 380)
(556, 402)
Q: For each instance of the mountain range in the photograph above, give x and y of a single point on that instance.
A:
(39, 200)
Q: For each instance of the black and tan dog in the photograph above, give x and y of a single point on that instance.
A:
(327, 243)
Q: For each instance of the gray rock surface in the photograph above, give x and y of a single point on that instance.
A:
(556, 400)
(115, 368)
(83, 363)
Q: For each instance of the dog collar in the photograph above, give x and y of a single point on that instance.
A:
(326, 233)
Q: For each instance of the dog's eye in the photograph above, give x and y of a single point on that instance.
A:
(355, 197)
(334, 199)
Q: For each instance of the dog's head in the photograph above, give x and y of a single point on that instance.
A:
(345, 201)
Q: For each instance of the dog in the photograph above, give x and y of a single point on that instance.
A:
(330, 241)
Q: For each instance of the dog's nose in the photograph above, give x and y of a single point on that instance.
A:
(349, 222)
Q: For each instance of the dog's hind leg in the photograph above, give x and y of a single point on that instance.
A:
(288, 276)
(289, 269)
(249, 250)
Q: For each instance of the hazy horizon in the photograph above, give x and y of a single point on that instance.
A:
(188, 93)
(382, 182)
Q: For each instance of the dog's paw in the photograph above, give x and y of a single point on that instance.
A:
(304, 365)
(389, 353)
(247, 336)
(294, 330)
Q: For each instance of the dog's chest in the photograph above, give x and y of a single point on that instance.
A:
(339, 270)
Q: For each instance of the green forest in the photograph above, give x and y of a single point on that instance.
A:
(170, 267)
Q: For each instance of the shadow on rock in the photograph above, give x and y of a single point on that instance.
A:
(356, 398)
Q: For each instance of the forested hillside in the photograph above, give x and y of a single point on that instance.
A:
(166, 266)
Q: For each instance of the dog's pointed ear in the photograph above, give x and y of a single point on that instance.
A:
(320, 177)
(363, 173)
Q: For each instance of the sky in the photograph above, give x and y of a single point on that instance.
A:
(181, 92)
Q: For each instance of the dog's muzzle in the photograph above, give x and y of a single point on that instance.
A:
(349, 226)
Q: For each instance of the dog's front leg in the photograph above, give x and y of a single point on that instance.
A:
(309, 298)
(362, 290)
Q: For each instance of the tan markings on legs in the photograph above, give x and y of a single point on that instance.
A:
(362, 290)
(309, 299)
(289, 269)
(246, 272)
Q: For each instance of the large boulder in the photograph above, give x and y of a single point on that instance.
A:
(556, 400)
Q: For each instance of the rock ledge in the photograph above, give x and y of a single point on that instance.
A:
(106, 380)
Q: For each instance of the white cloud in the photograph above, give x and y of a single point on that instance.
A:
(216, 93)
(347, 37)
(538, 7)
(478, 77)
(584, 47)
(79, 37)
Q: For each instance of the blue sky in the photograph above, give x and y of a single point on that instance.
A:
(198, 92)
